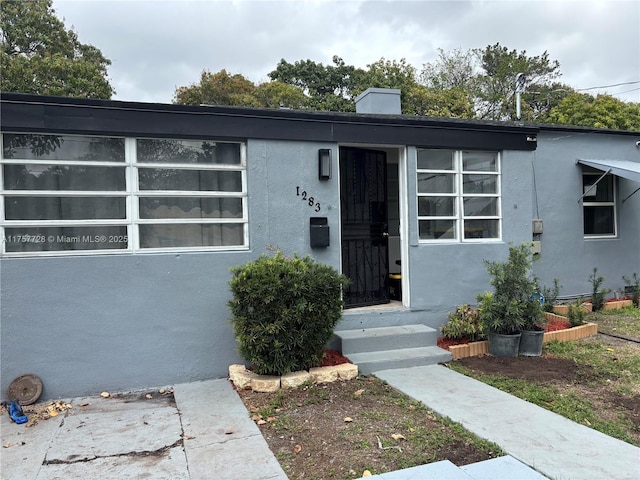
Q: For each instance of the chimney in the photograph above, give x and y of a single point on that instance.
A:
(379, 100)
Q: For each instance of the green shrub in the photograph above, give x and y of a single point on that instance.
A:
(284, 311)
(513, 305)
(633, 285)
(464, 323)
(597, 295)
(576, 313)
(551, 295)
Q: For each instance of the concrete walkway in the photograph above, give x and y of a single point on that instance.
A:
(554, 446)
(207, 434)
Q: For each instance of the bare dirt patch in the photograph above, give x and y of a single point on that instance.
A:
(546, 369)
(341, 429)
(597, 386)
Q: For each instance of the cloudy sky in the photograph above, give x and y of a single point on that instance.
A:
(158, 45)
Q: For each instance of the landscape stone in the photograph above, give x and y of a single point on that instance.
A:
(324, 374)
(347, 371)
(294, 379)
(241, 377)
(265, 383)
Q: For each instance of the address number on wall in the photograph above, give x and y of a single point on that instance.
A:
(305, 197)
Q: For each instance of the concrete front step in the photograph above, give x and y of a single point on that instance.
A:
(386, 338)
(495, 469)
(369, 362)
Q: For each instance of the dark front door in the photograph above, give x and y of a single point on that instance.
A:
(363, 208)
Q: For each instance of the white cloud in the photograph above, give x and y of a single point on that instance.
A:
(156, 46)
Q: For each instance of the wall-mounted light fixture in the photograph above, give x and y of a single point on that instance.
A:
(324, 164)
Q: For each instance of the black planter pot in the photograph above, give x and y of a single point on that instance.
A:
(504, 345)
(531, 343)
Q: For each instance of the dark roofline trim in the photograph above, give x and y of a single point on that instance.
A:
(39, 114)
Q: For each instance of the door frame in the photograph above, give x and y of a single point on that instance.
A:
(399, 152)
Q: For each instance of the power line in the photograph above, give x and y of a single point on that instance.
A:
(607, 86)
(626, 91)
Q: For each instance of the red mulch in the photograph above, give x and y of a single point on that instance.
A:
(332, 358)
(445, 343)
(609, 300)
(552, 326)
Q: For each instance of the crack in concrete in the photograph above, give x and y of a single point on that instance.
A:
(146, 453)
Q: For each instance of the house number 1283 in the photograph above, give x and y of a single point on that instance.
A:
(310, 200)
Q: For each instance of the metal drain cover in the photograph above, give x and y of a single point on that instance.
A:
(26, 389)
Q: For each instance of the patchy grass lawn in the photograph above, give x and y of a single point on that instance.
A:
(594, 381)
(625, 321)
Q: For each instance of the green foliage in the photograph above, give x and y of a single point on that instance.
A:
(219, 88)
(420, 100)
(597, 294)
(284, 311)
(551, 295)
(511, 307)
(576, 313)
(601, 111)
(277, 94)
(500, 69)
(464, 323)
(38, 55)
(623, 321)
(327, 87)
(633, 284)
(476, 83)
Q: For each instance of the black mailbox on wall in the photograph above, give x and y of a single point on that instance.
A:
(319, 230)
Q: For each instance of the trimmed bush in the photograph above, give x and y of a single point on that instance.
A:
(284, 311)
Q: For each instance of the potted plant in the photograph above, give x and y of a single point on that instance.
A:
(532, 334)
(507, 310)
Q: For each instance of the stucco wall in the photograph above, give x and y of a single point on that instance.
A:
(85, 324)
(113, 322)
(566, 254)
(443, 275)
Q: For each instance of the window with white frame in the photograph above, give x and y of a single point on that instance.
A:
(68, 193)
(598, 203)
(458, 195)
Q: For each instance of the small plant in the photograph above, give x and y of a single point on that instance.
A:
(551, 295)
(597, 294)
(512, 306)
(284, 311)
(576, 313)
(633, 286)
(464, 323)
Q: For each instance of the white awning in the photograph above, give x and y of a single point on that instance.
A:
(621, 168)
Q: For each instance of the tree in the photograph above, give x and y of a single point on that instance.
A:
(451, 70)
(539, 100)
(433, 102)
(280, 95)
(219, 88)
(488, 78)
(602, 111)
(39, 55)
(501, 68)
(327, 87)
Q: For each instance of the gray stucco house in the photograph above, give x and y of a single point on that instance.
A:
(120, 222)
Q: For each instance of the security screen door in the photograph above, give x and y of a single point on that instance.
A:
(363, 206)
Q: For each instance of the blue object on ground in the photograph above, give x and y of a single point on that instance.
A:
(16, 413)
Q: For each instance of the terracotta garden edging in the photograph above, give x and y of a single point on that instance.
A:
(574, 333)
(587, 307)
(617, 304)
